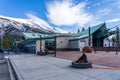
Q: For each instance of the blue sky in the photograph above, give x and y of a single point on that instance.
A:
(65, 14)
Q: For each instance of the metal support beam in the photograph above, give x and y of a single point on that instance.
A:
(55, 47)
(40, 45)
(117, 40)
(89, 39)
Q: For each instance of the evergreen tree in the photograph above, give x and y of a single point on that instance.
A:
(78, 31)
(83, 29)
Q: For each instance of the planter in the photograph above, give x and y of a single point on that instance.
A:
(81, 65)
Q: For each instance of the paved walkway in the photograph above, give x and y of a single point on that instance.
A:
(101, 57)
(32, 67)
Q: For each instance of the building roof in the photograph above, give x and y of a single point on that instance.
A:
(34, 36)
(85, 33)
(31, 35)
(37, 35)
(34, 39)
(67, 35)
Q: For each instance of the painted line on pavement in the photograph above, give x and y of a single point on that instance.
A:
(103, 68)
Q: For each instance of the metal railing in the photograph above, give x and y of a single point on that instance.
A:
(106, 48)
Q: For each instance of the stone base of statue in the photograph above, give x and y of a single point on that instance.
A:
(81, 65)
(82, 62)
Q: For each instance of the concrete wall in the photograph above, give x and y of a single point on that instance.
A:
(77, 44)
(73, 44)
(81, 45)
(62, 42)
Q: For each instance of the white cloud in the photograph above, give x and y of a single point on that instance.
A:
(113, 20)
(43, 24)
(103, 12)
(99, 16)
(97, 4)
(67, 13)
(118, 3)
(59, 30)
(101, 2)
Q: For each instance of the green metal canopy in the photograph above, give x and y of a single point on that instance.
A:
(34, 39)
(85, 33)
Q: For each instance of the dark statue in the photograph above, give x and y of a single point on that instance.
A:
(82, 59)
(82, 62)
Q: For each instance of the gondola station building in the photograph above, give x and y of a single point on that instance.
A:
(93, 37)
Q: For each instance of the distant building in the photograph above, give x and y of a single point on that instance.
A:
(50, 42)
(34, 42)
(96, 40)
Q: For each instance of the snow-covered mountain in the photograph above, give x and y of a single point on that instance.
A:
(32, 24)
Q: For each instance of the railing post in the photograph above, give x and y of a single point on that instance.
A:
(55, 46)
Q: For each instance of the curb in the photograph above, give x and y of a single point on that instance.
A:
(14, 72)
(12, 77)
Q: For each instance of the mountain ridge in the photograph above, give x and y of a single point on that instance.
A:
(32, 24)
